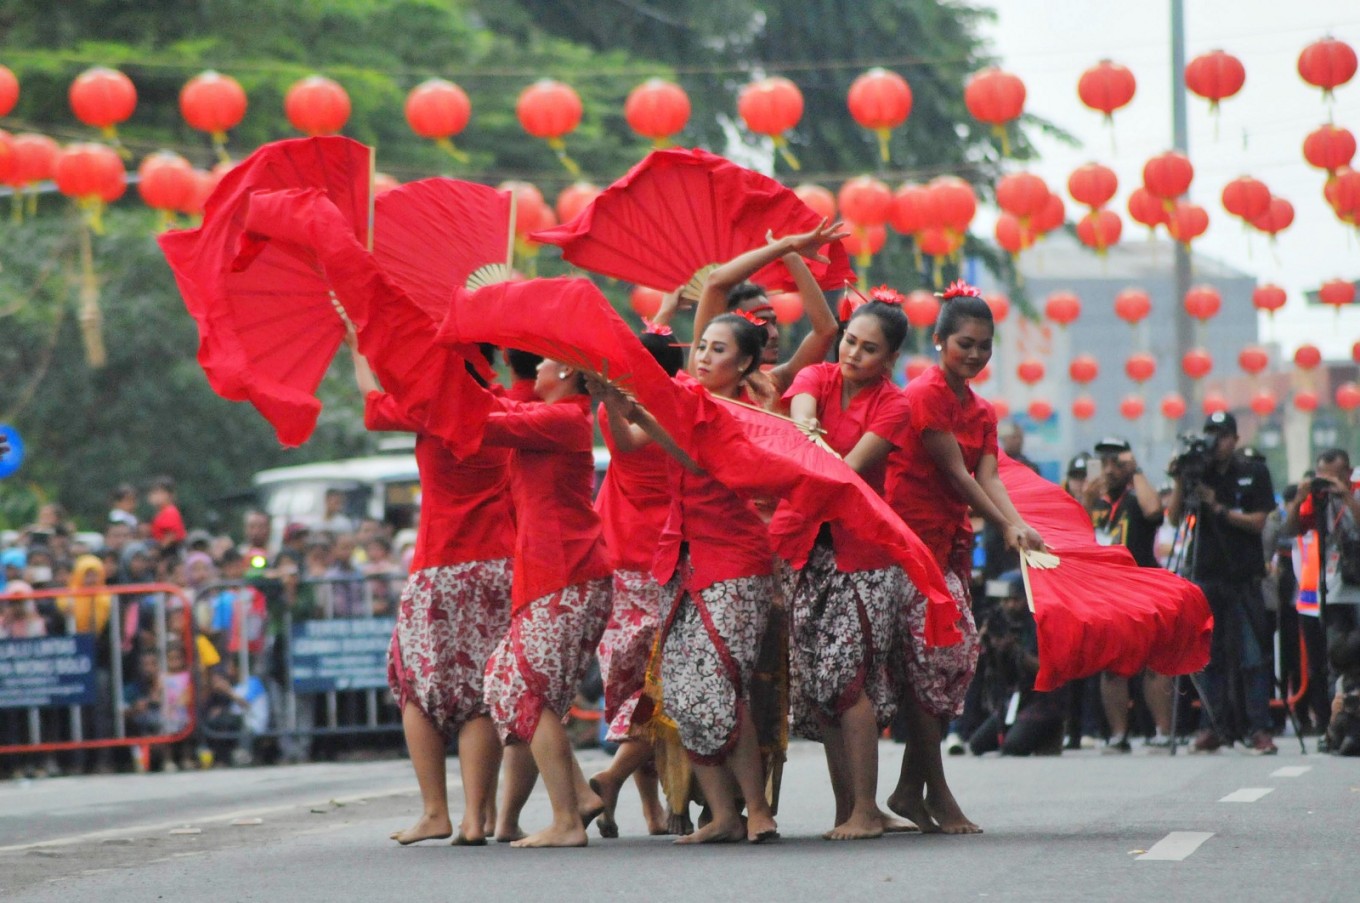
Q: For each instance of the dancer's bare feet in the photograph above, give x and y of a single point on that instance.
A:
(427, 827)
(859, 826)
(590, 805)
(655, 815)
(509, 833)
(760, 827)
(897, 825)
(910, 805)
(716, 832)
(554, 836)
(607, 789)
(947, 814)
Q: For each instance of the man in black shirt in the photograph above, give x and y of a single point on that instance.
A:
(1125, 511)
(1230, 500)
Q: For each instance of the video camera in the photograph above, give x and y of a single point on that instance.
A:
(1193, 458)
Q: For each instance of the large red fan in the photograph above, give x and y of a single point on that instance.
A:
(749, 451)
(268, 331)
(1097, 610)
(435, 236)
(679, 213)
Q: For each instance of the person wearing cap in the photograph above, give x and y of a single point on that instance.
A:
(1078, 470)
(1126, 511)
(1230, 503)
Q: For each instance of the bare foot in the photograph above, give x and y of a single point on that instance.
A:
(761, 828)
(509, 833)
(716, 832)
(553, 836)
(950, 818)
(472, 832)
(896, 825)
(857, 827)
(608, 793)
(910, 805)
(589, 806)
(655, 814)
(428, 827)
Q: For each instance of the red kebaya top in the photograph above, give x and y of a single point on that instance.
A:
(879, 409)
(558, 540)
(634, 502)
(522, 390)
(916, 488)
(465, 512)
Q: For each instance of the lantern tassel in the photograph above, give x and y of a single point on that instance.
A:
(999, 130)
(883, 136)
(16, 207)
(219, 142)
(782, 145)
(110, 134)
(91, 320)
(560, 148)
(448, 147)
(862, 262)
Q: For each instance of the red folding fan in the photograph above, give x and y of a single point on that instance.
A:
(678, 214)
(1097, 610)
(268, 331)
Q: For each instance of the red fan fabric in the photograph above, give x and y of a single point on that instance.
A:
(268, 331)
(749, 451)
(678, 211)
(1097, 610)
(430, 236)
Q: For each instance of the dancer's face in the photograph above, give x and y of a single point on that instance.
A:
(718, 362)
(554, 380)
(967, 351)
(864, 353)
(759, 306)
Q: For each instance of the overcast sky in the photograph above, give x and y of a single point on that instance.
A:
(1260, 131)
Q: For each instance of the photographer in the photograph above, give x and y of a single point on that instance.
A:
(1229, 495)
(1328, 489)
(1126, 511)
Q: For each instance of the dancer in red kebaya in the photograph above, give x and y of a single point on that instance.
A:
(560, 596)
(453, 611)
(633, 503)
(947, 463)
(845, 599)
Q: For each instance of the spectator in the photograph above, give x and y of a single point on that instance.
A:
(346, 580)
(237, 711)
(143, 698)
(117, 535)
(335, 521)
(177, 695)
(256, 537)
(167, 526)
(295, 539)
(383, 573)
(199, 572)
(1078, 469)
(123, 507)
(19, 618)
(13, 563)
(238, 611)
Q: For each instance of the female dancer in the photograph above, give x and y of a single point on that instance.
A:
(845, 599)
(945, 465)
(633, 503)
(453, 610)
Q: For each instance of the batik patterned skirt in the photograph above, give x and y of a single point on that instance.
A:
(938, 676)
(449, 620)
(627, 645)
(541, 660)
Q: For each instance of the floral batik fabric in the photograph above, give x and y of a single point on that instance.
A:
(543, 657)
(939, 676)
(842, 641)
(707, 658)
(627, 645)
(449, 620)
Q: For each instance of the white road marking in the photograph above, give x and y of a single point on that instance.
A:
(1176, 846)
(1246, 795)
(1291, 771)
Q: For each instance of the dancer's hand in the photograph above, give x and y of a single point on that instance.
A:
(808, 244)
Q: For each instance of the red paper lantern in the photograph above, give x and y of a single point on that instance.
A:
(788, 307)
(1187, 222)
(1049, 217)
(1306, 357)
(214, 103)
(1131, 407)
(1000, 305)
(952, 202)
(34, 157)
(1337, 293)
(1040, 410)
(1062, 308)
(1100, 229)
(1083, 407)
(1173, 406)
(880, 100)
(1001, 407)
(645, 301)
(102, 97)
(1246, 198)
(865, 200)
(1268, 298)
(1197, 363)
(938, 242)
(90, 172)
(1329, 147)
(1203, 302)
(1168, 175)
(994, 97)
(1253, 359)
(657, 109)
(1021, 194)
(1106, 87)
(1147, 208)
(438, 109)
(316, 105)
(1263, 403)
(549, 109)
(166, 182)
(822, 201)
(1342, 192)
(1348, 396)
(1277, 218)
(1132, 305)
(1092, 184)
(8, 164)
(1083, 369)
(922, 309)
(1140, 367)
(204, 183)
(1327, 64)
(1011, 236)
(912, 207)
(1306, 401)
(1214, 402)
(1030, 371)
(1214, 76)
(529, 206)
(575, 198)
(772, 106)
(9, 91)
(864, 242)
(918, 364)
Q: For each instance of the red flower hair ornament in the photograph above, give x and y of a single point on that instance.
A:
(960, 289)
(650, 328)
(750, 317)
(888, 295)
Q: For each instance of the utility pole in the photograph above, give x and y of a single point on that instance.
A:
(1180, 138)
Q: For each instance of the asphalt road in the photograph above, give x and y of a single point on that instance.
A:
(1079, 827)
